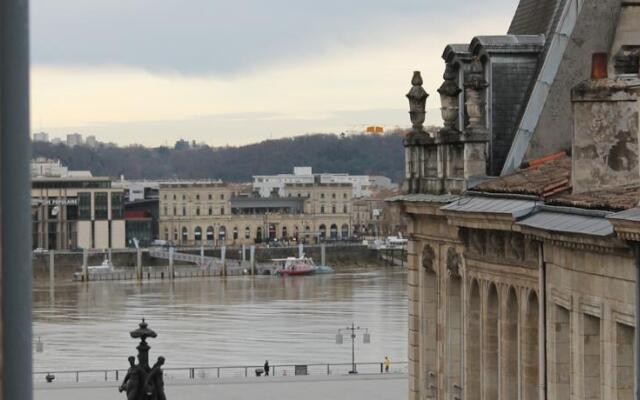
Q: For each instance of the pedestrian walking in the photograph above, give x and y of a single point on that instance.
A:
(266, 368)
(387, 364)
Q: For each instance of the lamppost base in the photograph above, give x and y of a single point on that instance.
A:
(353, 372)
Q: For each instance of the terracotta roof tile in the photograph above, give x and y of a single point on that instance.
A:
(541, 179)
(613, 199)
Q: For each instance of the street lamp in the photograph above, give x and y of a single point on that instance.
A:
(366, 339)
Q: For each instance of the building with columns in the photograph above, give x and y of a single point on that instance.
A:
(523, 222)
(215, 213)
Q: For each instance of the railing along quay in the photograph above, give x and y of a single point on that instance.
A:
(243, 371)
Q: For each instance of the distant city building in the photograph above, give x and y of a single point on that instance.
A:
(40, 137)
(91, 141)
(213, 213)
(44, 167)
(181, 144)
(74, 139)
(56, 140)
(77, 212)
(362, 185)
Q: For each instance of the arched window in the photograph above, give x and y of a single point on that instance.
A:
(197, 210)
(222, 233)
(333, 209)
(197, 234)
(175, 234)
(321, 209)
(210, 234)
(334, 231)
(259, 234)
(210, 211)
(344, 232)
(345, 209)
(184, 211)
(185, 234)
(284, 232)
(235, 233)
(323, 231)
(197, 196)
(166, 233)
(247, 233)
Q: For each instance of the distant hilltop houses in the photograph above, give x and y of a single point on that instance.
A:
(71, 140)
(74, 209)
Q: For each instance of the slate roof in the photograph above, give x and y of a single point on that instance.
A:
(539, 179)
(508, 43)
(534, 17)
(632, 214)
(491, 205)
(569, 223)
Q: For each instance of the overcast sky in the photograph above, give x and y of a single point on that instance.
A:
(235, 72)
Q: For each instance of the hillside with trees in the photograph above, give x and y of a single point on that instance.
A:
(353, 154)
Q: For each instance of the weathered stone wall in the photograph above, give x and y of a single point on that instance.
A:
(605, 148)
(596, 292)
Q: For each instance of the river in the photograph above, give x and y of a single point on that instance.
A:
(223, 321)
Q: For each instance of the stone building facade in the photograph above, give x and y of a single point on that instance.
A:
(522, 269)
(214, 213)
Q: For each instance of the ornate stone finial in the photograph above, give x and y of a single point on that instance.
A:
(475, 78)
(417, 102)
(474, 86)
(449, 92)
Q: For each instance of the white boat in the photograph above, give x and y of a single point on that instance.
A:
(105, 268)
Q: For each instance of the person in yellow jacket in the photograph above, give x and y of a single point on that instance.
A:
(387, 364)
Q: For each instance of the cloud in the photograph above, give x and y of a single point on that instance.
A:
(216, 37)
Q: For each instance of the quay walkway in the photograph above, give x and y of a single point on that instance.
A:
(312, 387)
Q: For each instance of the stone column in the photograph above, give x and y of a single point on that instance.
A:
(138, 263)
(244, 253)
(85, 266)
(51, 266)
(300, 250)
(252, 259)
(323, 254)
(201, 256)
(172, 273)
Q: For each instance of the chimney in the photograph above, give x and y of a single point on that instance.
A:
(605, 130)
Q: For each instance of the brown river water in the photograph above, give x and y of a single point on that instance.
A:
(223, 321)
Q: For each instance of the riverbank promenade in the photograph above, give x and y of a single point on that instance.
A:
(357, 387)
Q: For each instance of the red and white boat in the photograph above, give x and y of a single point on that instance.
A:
(292, 266)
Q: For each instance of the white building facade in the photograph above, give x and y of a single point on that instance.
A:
(267, 185)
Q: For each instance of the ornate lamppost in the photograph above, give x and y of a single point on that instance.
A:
(142, 381)
(366, 339)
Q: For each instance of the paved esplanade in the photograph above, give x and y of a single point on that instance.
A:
(360, 387)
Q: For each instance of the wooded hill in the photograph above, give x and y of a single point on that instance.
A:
(353, 154)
